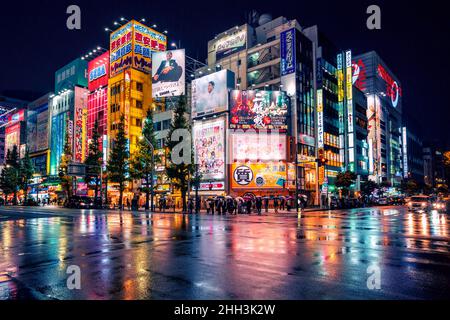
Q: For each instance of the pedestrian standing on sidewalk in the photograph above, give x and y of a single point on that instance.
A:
(128, 204)
(208, 206)
(212, 206)
(249, 206)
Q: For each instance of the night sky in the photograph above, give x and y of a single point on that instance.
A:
(413, 42)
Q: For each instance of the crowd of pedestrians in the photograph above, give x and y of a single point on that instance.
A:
(242, 205)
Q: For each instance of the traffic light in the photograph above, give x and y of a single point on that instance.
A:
(321, 160)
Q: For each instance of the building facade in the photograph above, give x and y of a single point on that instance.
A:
(384, 98)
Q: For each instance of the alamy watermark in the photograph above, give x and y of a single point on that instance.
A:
(74, 280)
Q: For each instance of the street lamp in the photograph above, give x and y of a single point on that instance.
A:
(152, 192)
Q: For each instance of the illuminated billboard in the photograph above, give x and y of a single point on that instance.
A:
(258, 109)
(287, 47)
(209, 148)
(259, 175)
(12, 137)
(210, 93)
(231, 44)
(37, 128)
(131, 46)
(252, 146)
(168, 73)
(71, 75)
(98, 72)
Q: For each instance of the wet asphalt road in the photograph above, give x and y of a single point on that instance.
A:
(321, 255)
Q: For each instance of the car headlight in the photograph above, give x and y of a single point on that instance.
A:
(423, 204)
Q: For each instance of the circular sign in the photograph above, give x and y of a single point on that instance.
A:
(260, 181)
(243, 175)
(394, 94)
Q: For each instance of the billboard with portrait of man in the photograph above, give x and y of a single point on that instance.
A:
(210, 93)
(168, 73)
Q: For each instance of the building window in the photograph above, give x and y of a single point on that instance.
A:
(139, 104)
(139, 86)
(115, 107)
(138, 122)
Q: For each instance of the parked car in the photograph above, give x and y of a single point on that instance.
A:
(420, 203)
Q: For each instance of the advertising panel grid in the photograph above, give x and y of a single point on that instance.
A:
(209, 148)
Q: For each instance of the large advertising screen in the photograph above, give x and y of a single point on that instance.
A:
(37, 124)
(259, 109)
(209, 148)
(210, 93)
(231, 44)
(287, 47)
(168, 73)
(258, 175)
(253, 146)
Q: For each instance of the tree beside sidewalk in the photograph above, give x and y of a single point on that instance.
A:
(118, 163)
(180, 173)
(344, 180)
(26, 172)
(93, 160)
(141, 164)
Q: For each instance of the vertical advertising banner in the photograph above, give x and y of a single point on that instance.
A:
(349, 96)
(287, 47)
(320, 127)
(168, 73)
(209, 148)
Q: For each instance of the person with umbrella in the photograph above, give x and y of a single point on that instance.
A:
(266, 203)
(275, 204)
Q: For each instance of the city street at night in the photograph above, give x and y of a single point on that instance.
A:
(318, 255)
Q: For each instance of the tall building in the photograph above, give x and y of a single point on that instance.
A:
(68, 113)
(384, 98)
(434, 169)
(130, 85)
(412, 147)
